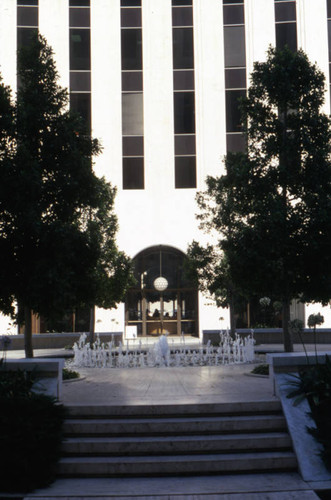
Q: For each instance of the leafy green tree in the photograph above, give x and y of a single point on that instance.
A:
(52, 204)
(272, 207)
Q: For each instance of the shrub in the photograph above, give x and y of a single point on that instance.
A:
(30, 434)
(314, 384)
(68, 374)
(262, 369)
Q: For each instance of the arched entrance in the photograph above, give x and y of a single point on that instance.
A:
(163, 300)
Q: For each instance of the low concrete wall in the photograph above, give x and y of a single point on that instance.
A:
(283, 367)
(47, 371)
(275, 335)
(59, 340)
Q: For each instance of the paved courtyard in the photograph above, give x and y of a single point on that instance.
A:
(167, 385)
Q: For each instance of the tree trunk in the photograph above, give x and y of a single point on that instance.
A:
(28, 333)
(287, 335)
(232, 316)
(92, 325)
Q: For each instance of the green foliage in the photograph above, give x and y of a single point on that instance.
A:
(16, 384)
(314, 384)
(30, 442)
(315, 320)
(262, 369)
(68, 374)
(30, 433)
(270, 212)
(57, 225)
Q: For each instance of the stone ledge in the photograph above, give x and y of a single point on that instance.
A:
(49, 372)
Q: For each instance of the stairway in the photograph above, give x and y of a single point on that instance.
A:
(160, 440)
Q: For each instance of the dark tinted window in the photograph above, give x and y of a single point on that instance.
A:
(133, 173)
(234, 46)
(79, 18)
(132, 114)
(233, 14)
(24, 36)
(27, 16)
(80, 49)
(133, 146)
(329, 7)
(185, 172)
(235, 142)
(184, 144)
(181, 2)
(184, 112)
(130, 3)
(81, 104)
(183, 48)
(235, 78)
(27, 2)
(286, 34)
(80, 81)
(79, 3)
(233, 113)
(285, 11)
(132, 80)
(131, 49)
(130, 18)
(232, 1)
(182, 16)
(183, 80)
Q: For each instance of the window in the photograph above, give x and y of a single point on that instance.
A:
(133, 146)
(285, 11)
(234, 46)
(81, 104)
(182, 16)
(184, 112)
(133, 173)
(286, 34)
(79, 49)
(183, 48)
(185, 145)
(27, 16)
(132, 80)
(130, 3)
(233, 14)
(24, 36)
(132, 114)
(233, 113)
(130, 18)
(79, 18)
(131, 49)
(185, 172)
(27, 2)
(79, 3)
(235, 78)
(184, 80)
(80, 81)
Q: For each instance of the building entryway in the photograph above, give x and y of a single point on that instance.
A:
(164, 299)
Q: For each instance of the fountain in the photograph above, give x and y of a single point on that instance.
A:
(107, 355)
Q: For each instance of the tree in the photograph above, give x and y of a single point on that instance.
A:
(272, 207)
(51, 200)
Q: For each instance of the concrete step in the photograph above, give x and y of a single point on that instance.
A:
(105, 446)
(174, 426)
(181, 464)
(168, 410)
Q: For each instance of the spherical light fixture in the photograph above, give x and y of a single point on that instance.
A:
(160, 284)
